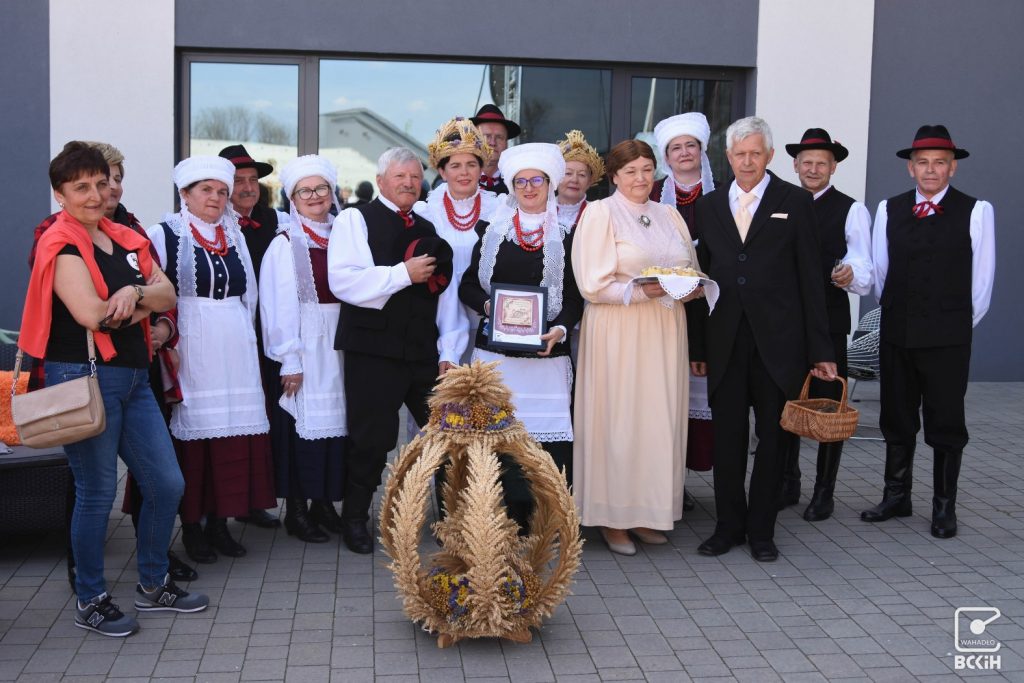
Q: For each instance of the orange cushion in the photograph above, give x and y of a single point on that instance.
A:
(8, 434)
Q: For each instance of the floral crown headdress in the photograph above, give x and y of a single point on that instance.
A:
(458, 136)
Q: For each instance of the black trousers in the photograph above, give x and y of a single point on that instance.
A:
(932, 382)
(375, 390)
(833, 390)
(747, 384)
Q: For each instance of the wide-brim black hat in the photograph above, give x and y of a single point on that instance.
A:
(237, 155)
(818, 138)
(419, 243)
(490, 113)
(933, 137)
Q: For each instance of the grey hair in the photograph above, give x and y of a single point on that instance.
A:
(396, 155)
(744, 128)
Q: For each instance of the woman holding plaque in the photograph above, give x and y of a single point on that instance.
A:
(629, 454)
(525, 245)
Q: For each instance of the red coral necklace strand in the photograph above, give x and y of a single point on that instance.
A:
(462, 222)
(531, 240)
(687, 197)
(218, 246)
(317, 239)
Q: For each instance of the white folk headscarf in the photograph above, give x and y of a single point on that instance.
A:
(696, 126)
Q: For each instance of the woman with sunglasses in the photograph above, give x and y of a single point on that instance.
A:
(299, 316)
(525, 245)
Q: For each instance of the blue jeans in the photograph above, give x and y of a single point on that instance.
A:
(136, 431)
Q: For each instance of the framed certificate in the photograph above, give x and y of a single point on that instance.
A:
(518, 317)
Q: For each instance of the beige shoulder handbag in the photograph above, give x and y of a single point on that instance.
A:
(63, 413)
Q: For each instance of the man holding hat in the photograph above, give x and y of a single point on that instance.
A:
(682, 144)
(844, 234)
(258, 222)
(497, 131)
(391, 272)
(934, 258)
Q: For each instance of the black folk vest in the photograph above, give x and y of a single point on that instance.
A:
(406, 328)
(926, 301)
(831, 210)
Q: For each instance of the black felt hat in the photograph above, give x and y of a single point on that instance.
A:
(237, 155)
(933, 137)
(818, 138)
(490, 113)
(417, 242)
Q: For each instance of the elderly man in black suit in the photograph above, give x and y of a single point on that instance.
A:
(757, 239)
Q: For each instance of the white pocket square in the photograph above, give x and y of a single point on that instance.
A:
(780, 215)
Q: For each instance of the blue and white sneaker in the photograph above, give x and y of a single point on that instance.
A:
(169, 598)
(104, 617)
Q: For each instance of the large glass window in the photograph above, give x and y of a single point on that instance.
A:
(256, 105)
(654, 99)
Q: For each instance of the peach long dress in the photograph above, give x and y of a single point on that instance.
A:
(632, 384)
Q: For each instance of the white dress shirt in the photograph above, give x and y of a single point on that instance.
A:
(983, 251)
(758, 190)
(355, 279)
(858, 246)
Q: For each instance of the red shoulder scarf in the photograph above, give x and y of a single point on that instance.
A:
(38, 312)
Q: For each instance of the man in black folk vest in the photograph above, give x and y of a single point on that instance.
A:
(757, 240)
(844, 231)
(934, 257)
(258, 225)
(395, 305)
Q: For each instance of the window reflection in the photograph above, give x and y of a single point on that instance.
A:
(252, 104)
(654, 99)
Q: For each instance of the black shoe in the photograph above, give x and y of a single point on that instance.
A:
(297, 522)
(719, 545)
(689, 502)
(892, 506)
(178, 570)
(196, 545)
(764, 551)
(322, 513)
(220, 538)
(260, 518)
(356, 536)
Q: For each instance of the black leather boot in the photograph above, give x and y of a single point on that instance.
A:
(322, 513)
(220, 538)
(822, 505)
(297, 522)
(196, 545)
(899, 462)
(355, 516)
(947, 473)
(790, 492)
(178, 570)
(689, 502)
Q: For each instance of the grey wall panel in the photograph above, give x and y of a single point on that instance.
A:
(25, 139)
(695, 32)
(959, 64)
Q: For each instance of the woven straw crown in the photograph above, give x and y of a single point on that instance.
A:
(458, 136)
(576, 148)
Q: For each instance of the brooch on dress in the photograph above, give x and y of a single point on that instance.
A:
(644, 220)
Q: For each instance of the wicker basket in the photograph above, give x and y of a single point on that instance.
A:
(821, 419)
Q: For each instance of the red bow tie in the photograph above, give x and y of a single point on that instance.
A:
(407, 218)
(247, 222)
(489, 183)
(921, 209)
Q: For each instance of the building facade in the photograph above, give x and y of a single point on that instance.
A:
(166, 78)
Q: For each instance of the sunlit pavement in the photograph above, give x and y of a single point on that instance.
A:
(846, 600)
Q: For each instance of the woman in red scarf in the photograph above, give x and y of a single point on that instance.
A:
(93, 275)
